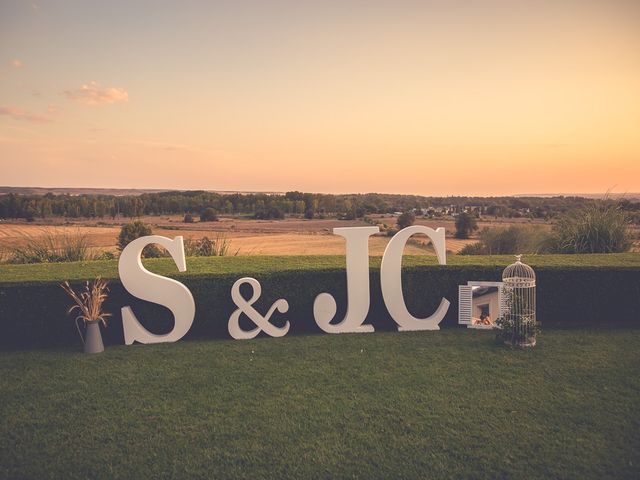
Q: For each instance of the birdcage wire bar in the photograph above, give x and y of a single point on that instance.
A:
(519, 324)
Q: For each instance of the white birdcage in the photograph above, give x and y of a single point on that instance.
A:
(518, 323)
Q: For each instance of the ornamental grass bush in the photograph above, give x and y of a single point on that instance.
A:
(600, 227)
(52, 247)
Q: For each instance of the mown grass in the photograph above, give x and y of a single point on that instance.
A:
(448, 404)
(268, 264)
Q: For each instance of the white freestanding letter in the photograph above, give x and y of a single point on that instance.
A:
(146, 285)
(324, 306)
(391, 279)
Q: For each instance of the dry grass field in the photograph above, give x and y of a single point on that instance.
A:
(291, 236)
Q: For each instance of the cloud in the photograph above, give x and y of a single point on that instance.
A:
(171, 147)
(18, 114)
(94, 94)
(16, 63)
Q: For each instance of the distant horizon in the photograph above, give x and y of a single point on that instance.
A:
(4, 188)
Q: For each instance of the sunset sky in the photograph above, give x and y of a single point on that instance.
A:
(426, 97)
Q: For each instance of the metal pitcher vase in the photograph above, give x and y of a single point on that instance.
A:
(92, 339)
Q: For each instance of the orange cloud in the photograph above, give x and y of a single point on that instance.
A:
(94, 94)
(18, 114)
(53, 110)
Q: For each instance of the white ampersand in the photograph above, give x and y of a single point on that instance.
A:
(244, 306)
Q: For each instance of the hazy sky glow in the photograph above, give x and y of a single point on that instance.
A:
(426, 97)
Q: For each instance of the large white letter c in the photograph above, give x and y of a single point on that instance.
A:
(391, 279)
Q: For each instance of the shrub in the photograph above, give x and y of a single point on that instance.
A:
(309, 213)
(188, 218)
(477, 248)
(406, 220)
(518, 325)
(600, 227)
(106, 255)
(271, 213)
(466, 224)
(511, 240)
(517, 331)
(137, 229)
(204, 247)
(208, 215)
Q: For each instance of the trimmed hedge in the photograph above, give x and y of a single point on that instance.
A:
(256, 265)
(33, 314)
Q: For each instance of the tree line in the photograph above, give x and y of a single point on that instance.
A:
(258, 205)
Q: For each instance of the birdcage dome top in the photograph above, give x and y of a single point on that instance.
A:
(519, 273)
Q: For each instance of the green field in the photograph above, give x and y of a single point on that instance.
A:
(448, 404)
(266, 264)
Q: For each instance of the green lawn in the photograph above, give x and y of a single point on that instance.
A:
(266, 264)
(449, 404)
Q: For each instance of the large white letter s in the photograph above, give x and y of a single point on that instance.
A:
(143, 284)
